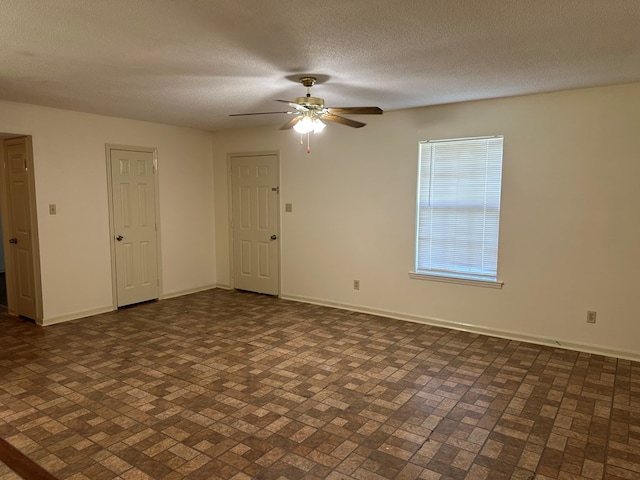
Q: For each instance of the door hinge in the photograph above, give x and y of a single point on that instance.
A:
(276, 189)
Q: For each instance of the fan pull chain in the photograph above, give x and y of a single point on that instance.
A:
(308, 142)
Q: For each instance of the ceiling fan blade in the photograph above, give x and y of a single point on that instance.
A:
(256, 113)
(297, 106)
(290, 124)
(355, 110)
(341, 120)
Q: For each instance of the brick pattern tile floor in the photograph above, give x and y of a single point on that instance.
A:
(7, 474)
(231, 385)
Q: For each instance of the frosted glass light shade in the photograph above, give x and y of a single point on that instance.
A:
(318, 126)
(304, 126)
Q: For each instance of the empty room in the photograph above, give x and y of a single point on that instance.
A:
(341, 239)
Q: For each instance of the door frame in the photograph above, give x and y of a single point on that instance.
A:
(112, 229)
(7, 228)
(230, 157)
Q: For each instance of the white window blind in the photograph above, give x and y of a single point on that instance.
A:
(458, 211)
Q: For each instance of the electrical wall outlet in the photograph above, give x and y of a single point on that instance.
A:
(356, 284)
(591, 317)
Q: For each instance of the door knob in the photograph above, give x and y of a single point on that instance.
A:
(119, 238)
(13, 240)
(274, 237)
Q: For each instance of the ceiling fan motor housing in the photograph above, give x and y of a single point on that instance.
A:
(312, 103)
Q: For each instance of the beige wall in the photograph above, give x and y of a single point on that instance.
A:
(569, 231)
(70, 171)
(570, 227)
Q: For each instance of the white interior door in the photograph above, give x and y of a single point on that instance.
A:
(134, 226)
(20, 229)
(255, 223)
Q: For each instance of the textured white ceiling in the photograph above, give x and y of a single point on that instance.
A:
(193, 62)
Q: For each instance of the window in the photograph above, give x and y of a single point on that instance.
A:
(458, 210)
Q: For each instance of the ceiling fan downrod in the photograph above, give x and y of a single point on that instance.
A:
(308, 82)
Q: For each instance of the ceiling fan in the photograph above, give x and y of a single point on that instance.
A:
(310, 111)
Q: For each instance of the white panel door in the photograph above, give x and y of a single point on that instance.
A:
(134, 221)
(254, 218)
(21, 247)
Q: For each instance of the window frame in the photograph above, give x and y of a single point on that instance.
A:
(450, 276)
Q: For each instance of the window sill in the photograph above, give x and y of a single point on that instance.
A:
(458, 280)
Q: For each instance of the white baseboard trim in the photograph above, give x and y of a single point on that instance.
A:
(187, 292)
(75, 315)
(222, 286)
(466, 327)
(97, 311)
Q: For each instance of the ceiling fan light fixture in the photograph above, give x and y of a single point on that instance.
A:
(306, 125)
(308, 111)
